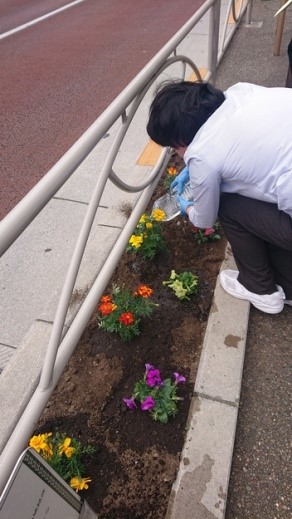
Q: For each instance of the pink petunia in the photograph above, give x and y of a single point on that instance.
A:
(208, 232)
(148, 403)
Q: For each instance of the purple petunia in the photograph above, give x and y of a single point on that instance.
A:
(153, 378)
(179, 378)
(148, 403)
(148, 367)
(130, 402)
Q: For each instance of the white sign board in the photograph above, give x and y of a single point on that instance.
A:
(36, 491)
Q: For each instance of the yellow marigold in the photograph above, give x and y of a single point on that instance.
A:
(149, 225)
(47, 452)
(172, 171)
(66, 449)
(40, 442)
(79, 483)
(144, 218)
(136, 241)
(158, 215)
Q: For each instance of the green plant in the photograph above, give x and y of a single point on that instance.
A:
(155, 395)
(171, 173)
(147, 239)
(63, 454)
(207, 235)
(120, 311)
(183, 285)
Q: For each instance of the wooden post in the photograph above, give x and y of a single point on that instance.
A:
(279, 30)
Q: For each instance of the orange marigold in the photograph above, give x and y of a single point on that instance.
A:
(172, 171)
(127, 318)
(106, 308)
(106, 299)
(143, 291)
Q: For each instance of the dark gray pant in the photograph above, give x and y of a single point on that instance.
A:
(261, 239)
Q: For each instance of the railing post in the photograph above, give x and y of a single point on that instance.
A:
(214, 20)
(248, 12)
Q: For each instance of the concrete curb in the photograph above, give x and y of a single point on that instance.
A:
(200, 489)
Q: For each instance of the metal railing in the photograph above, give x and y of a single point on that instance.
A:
(122, 110)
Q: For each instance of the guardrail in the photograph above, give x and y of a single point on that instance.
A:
(122, 110)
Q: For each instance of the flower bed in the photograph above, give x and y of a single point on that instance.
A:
(136, 457)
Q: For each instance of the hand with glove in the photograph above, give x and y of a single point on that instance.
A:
(180, 180)
(183, 203)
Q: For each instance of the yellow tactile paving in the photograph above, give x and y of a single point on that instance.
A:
(194, 77)
(149, 155)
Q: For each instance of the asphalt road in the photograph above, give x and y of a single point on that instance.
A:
(58, 75)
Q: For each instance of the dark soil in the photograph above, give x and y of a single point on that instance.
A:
(136, 459)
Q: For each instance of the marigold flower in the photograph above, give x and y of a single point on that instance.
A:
(158, 215)
(143, 291)
(144, 218)
(79, 483)
(172, 171)
(47, 452)
(149, 225)
(136, 241)
(127, 318)
(66, 449)
(106, 308)
(40, 443)
(106, 299)
(148, 403)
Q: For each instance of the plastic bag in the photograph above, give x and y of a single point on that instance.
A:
(168, 202)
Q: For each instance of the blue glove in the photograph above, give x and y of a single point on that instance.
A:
(183, 203)
(180, 180)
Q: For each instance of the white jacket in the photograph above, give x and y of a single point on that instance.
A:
(245, 147)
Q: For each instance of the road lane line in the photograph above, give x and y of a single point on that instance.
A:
(40, 19)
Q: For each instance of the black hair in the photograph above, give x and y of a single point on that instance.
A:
(179, 109)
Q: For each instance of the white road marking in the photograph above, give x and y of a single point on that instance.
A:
(40, 19)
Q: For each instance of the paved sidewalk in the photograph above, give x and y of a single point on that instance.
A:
(260, 483)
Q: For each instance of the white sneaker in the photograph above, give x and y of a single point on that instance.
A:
(286, 301)
(269, 303)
